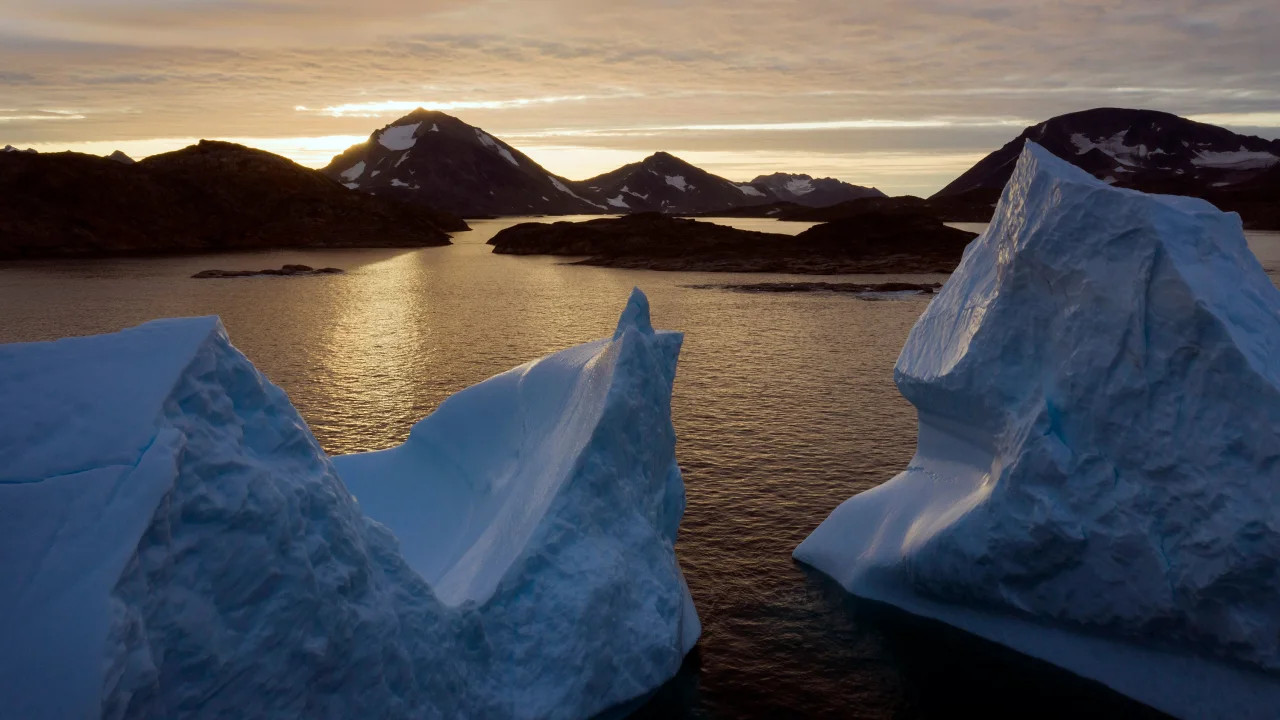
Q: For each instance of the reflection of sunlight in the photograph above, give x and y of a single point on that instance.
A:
(377, 348)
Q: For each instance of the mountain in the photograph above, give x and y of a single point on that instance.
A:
(214, 196)
(120, 157)
(434, 158)
(814, 192)
(664, 183)
(1140, 149)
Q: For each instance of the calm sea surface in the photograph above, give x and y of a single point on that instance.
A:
(784, 406)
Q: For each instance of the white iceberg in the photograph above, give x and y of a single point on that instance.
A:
(1097, 475)
(176, 544)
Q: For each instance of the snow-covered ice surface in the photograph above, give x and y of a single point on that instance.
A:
(400, 137)
(175, 542)
(1096, 474)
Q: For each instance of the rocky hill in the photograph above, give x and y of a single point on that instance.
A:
(209, 197)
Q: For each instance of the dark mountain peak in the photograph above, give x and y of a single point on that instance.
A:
(665, 183)
(804, 189)
(120, 157)
(1148, 150)
(434, 158)
(781, 176)
(216, 155)
(665, 161)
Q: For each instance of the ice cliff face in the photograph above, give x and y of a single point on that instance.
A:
(1099, 448)
(176, 544)
(549, 497)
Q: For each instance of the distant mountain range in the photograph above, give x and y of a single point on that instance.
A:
(438, 159)
(209, 197)
(412, 180)
(809, 191)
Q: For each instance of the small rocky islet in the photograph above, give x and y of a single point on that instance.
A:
(282, 271)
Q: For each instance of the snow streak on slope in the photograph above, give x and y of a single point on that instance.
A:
(1095, 477)
(489, 142)
(175, 541)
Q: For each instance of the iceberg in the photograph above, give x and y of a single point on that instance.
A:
(1097, 474)
(176, 544)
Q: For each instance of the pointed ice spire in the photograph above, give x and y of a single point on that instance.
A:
(635, 314)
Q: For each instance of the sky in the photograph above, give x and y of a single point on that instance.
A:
(902, 95)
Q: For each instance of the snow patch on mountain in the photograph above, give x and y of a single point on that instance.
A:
(618, 202)
(565, 189)
(801, 185)
(353, 172)
(678, 182)
(1241, 159)
(399, 137)
(1113, 146)
(749, 190)
(489, 142)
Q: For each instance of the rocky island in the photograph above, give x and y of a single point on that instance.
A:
(282, 271)
(869, 243)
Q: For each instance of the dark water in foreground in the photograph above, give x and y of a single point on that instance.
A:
(784, 406)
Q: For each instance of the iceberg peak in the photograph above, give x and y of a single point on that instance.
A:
(635, 315)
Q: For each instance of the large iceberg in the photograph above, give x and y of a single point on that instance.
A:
(176, 544)
(1097, 475)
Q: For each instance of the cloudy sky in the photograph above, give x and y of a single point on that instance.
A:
(903, 95)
